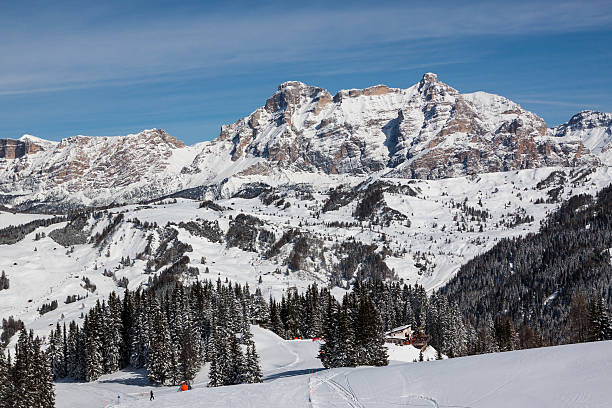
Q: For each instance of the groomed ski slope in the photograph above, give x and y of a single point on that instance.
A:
(563, 376)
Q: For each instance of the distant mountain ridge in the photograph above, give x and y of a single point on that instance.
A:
(427, 131)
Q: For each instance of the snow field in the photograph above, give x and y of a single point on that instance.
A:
(433, 240)
(563, 376)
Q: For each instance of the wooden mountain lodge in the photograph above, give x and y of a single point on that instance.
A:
(419, 339)
(404, 335)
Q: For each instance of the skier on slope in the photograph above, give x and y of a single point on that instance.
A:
(152, 396)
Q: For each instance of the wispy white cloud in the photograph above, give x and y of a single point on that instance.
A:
(76, 48)
(558, 103)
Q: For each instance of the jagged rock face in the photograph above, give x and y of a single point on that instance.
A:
(427, 131)
(592, 129)
(89, 165)
(14, 149)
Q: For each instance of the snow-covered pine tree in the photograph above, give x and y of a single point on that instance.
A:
(219, 355)
(116, 323)
(174, 370)
(139, 333)
(65, 349)
(276, 324)
(110, 338)
(329, 346)
(246, 304)
(370, 338)
(201, 303)
(488, 336)
(159, 356)
(81, 356)
(93, 346)
(56, 353)
(214, 374)
(71, 346)
(127, 322)
(294, 318)
(345, 352)
(44, 376)
(5, 383)
(314, 320)
(254, 374)
(234, 310)
(260, 312)
(24, 372)
(600, 327)
(408, 315)
(578, 319)
(420, 299)
(237, 371)
(188, 359)
(432, 322)
(459, 339)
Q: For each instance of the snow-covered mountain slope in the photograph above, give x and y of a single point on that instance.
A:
(573, 375)
(593, 129)
(427, 131)
(308, 188)
(287, 234)
(85, 170)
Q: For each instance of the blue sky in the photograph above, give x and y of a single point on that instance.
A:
(111, 68)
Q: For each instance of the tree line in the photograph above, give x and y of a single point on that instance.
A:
(170, 332)
(546, 283)
(26, 379)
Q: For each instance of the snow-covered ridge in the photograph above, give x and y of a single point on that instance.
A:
(427, 131)
(593, 129)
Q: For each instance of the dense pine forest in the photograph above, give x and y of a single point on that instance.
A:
(170, 331)
(26, 378)
(557, 282)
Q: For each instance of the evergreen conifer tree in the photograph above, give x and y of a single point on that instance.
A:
(329, 346)
(5, 388)
(254, 374)
(370, 339)
(236, 373)
(44, 377)
(160, 353)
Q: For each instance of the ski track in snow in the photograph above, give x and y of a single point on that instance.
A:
(345, 393)
(542, 378)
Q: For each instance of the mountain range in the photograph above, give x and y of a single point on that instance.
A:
(427, 131)
(406, 185)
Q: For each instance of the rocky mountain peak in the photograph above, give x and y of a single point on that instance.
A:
(429, 130)
(590, 128)
(291, 94)
(587, 119)
(160, 136)
(428, 78)
(434, 90)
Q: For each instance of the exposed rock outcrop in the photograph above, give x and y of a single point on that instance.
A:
(15, 149)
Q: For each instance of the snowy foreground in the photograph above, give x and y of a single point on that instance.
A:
(564, 376)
